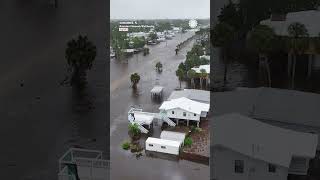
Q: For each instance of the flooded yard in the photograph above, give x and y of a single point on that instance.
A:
(124, 164)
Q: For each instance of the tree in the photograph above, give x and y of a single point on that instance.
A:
(134, 130)
(223, 36)
(230, 15)
(203, 74)
(262, 39)
(298, 43)
(191, 75)
(159, 66)
(153, 36)
(180, 73)
(135, 78)
(80, 55)
(138, 42)
(119, 40)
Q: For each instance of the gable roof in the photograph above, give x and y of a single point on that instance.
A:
(205, 67)
(308, 18)
(185, 104)
(193, 94)
(262, 141)
(281, 105)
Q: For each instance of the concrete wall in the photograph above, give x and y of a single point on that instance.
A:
(178, 114)
(222, 165)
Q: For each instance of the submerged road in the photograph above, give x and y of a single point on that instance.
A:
(40, 119)
(124, 164)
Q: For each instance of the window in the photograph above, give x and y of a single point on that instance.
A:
(184, 114)
(238, 166)
(151, 145)
(163, 147)
(195, 114)
(272, 168)
(172, 112)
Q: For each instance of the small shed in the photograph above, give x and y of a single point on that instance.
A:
(157, 91)
(162, 145)
(174, 136)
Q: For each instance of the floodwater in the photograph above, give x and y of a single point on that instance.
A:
(40, 119)
(124, 164)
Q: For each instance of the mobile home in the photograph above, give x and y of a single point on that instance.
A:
(163, 145)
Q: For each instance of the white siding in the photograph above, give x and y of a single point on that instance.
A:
(223, 167)
(157, 148)
(178, 114)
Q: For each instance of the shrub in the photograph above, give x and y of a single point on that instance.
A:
(126, 145)
(188, 141)
(197, 129)
(134, 129)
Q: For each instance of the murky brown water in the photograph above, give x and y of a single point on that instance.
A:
(124, 164)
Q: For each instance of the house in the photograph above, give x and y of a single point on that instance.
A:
(289, 109)
(205, 67)
(193, 94)
(184, 109)
(244, 148)
(310, 19)
(163, 145)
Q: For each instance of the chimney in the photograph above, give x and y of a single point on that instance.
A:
(278, 17)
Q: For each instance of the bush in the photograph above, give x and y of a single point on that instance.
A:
(197, 129)
(126, 145)
(188, 141)
(134, 129)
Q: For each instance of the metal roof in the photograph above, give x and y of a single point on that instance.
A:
(309, 18)
(262, 141)
(152, 140)
(185, 104)
(205, 67)
(286, 106)
(193, 94)
(174, 136)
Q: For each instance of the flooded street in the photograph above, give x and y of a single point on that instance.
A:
(40, 119)
(124, 164)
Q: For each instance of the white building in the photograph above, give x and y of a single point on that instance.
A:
(245, 148)
(192, 94)
(310, 19)
(205, 67)
(184, 109)
(163, 145)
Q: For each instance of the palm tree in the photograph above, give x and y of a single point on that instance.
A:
(135, 78)
(159, 66)
(261, 39)
(297, 43)
(191, 75)
(223, 36)
(180, 73)
(203, 74)
(80, 54)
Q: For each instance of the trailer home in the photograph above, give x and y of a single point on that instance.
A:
(163, 145)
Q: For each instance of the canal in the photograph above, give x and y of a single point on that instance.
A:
(124, 164)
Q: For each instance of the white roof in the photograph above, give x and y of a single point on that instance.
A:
(262, 141)
(280, 105)
(205, 56)
(143, 118)
(157, 89)
(171, 143)
(185, 104)
(309, 18)
(193, 94)
(205, 67)
(174, 136)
